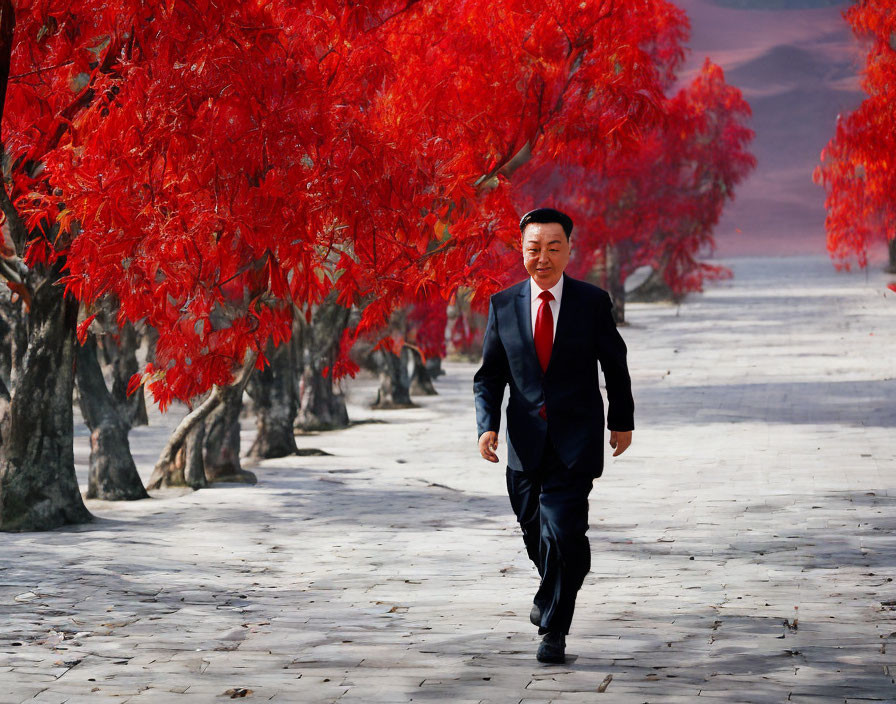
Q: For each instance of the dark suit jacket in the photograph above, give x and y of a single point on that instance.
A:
(569, 389)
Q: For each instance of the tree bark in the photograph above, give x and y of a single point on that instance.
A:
(222, 440)
(394, 391)
(15, 339)
(321, 407)
(19, 338)
(187, 468)
(434, 367)
(122, 355)
(891, 248)
(38, 486)
(653, 289)
(152, 337)
(169, 469)
(615, 287)
(191, 456)
(113, 475)
(418, 373)
(273, 391)
(7, 343)
(5, 399)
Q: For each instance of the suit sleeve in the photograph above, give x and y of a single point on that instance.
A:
(612, 356)
(491, 378)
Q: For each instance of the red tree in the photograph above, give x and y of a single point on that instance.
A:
(215, 165)
(706, 155)
(857, 165)
(346, 147)
(656, 204)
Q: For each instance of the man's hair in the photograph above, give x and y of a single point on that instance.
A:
(545, 215)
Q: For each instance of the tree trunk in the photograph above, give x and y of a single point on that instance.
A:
(418, 373)
(273, 391)
(222, 440)
(169, 469)
(122, 355)
(19, 347)
(113, 475)
(13, 342)
(394, 391)
(15, 339)
(5, 398)
(9, 311)
(192, 459)
(151, 335)
(38, 486)
(653, 290)
(615, 287)
(891, 248)
(321, 406)
(434, 367)
(188, 466)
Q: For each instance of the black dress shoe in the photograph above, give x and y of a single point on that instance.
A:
(535, 615)
(552, 648)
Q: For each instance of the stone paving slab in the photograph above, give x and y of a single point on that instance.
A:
(743, 549)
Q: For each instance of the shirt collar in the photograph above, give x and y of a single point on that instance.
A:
(556, 290)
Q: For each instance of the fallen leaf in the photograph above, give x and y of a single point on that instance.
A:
(238, 692)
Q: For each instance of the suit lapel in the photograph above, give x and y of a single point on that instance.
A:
(524, 319)
(565, 319)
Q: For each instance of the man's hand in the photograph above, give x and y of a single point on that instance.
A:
(619, 441)
(488, 443)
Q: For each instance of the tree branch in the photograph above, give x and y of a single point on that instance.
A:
(41, 70)
(9, 272)
(194, 417)
(17, 230)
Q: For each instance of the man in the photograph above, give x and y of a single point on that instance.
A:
(544, 338)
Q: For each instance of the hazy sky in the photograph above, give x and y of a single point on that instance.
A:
(797, 68)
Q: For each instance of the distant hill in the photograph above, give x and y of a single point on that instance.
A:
(792, 65)
(798, 68)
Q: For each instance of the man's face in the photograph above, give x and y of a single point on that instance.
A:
(545, 252)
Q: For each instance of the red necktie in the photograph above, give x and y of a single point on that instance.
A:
(544, 336)
(544, 330)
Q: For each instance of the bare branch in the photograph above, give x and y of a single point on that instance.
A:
(518, 159)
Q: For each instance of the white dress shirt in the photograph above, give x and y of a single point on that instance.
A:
(556, 291)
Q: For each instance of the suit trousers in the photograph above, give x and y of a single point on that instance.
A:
(551, 505)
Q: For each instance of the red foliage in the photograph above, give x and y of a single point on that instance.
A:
(214, 165)
(426, 321)
(660, 200)
(857, 167)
